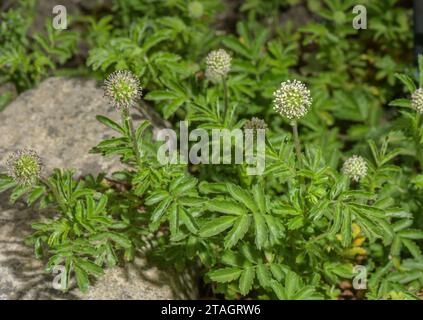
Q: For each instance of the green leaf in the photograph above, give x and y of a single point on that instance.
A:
(156, 197)
(36, 193)
(216, 226)
(260, 198)
(174, 220)
(188, 221)
(278, 289)
(225, 274)
(89, 266)
(260, 229)
(226, 206)
(6, 183)
(111, 124)
(242, 196)
(412, 234)
(160, 210)
(120, 239)
(263, 275)
(292, 284)
(295, 223)
(246, 280)
(413, 248)
(407, 81)
(403, 103)
(238, 231)
(159, 95)
(81, 279)
(346, 228)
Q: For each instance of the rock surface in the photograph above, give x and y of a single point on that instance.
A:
(57, 119)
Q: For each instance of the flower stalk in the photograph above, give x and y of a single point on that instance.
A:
(297, 143)
(126, 117)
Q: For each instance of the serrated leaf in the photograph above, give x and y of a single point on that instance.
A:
(81, 279)
(413, 248)
(216, 226)
(226, 206)
(89, 266)
(278, 289)
(188, 221)
(412, 234)
(263, 275)
(407, 81)
(346, 228)
(242, 196)
(260, 230)
(238, 231)
(246, 280)
(225, 274)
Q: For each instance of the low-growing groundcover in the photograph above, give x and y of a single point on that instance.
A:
(341, 192)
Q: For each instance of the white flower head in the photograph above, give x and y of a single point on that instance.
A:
(24, 166)
(122, 89)
(218, 64)
(195, 9)
(292, 100)
(355, 168)
(417, 100)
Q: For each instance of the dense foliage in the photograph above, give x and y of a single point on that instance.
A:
(298, 230)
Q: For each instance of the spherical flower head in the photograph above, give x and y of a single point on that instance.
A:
(122, 89)
(255, 124)
(417, 100)
(195, 9)
(218, 64)
(24, 166)
(355, 168)
(292, 100)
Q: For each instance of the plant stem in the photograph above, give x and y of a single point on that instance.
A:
(127, 117)
(225, 96)
(53, 190)
(419, 151)
(297, 142)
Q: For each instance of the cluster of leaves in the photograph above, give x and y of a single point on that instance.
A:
(27, 57)
(299, 229)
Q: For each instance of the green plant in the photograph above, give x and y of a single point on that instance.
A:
(26, 59)
(342, 185)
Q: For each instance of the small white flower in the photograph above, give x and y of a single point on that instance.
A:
(292, 100)
(417, 100)
(122, 89)
(195, 9)
(218, 64)
(355, 168)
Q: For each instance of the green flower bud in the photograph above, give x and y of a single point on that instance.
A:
(24, 166)
(122, 89)
(195, 9)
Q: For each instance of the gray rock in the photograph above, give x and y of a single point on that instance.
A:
(57, 119)
(23, 277)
